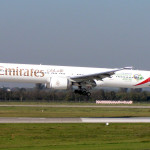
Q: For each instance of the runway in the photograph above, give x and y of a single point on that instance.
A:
(74, 120)
(76, 106)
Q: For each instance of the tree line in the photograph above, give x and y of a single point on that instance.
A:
(47, 95)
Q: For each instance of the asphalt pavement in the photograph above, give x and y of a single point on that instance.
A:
(74, 120)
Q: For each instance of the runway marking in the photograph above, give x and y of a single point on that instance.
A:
(74, 120)
(117, 120)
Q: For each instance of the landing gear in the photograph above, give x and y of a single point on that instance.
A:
(82, 91)
(88, 94)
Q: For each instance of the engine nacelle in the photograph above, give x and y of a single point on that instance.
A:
(60, 83)
(99, 83)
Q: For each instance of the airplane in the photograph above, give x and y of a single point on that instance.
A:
(83, 78)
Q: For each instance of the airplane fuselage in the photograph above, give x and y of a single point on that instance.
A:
(43, 73)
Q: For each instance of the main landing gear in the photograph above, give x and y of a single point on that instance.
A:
(82, 91)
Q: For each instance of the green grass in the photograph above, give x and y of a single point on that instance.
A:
(72, 112)
(74, 136)
(70, 103)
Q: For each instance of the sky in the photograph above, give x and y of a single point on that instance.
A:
(92, 33)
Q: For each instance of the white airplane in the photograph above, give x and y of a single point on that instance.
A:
(84, 78)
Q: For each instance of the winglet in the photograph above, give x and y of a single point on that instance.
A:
(131, 67)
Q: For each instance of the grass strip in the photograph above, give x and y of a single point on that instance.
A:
(72, 112)
(74, 136)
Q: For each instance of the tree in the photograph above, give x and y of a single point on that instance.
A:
(123, 90)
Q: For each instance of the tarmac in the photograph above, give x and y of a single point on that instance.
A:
(74, 120)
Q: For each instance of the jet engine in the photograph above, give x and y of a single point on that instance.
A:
(60, 83)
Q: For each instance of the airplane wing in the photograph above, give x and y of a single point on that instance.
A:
(97, 76)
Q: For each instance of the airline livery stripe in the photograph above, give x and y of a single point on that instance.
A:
(145, 81)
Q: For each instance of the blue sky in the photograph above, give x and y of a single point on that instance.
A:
(95, 33)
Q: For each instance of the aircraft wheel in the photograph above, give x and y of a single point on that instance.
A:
(84, 93)
(88, 94)
(76, 91)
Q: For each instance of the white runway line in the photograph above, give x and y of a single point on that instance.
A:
(117, 120)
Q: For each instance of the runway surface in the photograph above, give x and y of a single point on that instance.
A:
(74, 120)
(79, 106)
